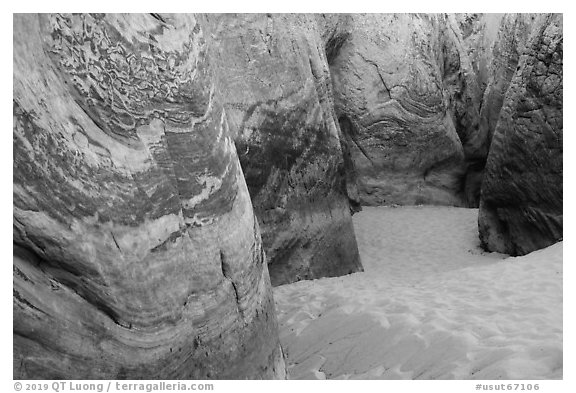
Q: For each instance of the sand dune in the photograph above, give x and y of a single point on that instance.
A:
(430, 305)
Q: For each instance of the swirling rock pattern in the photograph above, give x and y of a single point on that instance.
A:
(521, 200)
(275, 85)
(136, 251)
(394, 110)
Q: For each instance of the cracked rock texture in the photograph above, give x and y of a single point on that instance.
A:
(275, 86)
(394, 109)
(521, 201)
(136, 251)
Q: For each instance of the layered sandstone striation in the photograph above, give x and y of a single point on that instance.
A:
(521, 202)
(405, 85)
(136, 250)
(275, 85)
(394, 109)
(163, 164)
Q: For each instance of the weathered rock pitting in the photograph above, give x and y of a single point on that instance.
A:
(275, 86)
(136, 250)
(521, 201)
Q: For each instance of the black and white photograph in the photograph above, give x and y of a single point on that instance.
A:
(287, 196)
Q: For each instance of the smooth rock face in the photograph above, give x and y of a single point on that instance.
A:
(394, 110)
(521, 202)
(136, 251)
(275, 86)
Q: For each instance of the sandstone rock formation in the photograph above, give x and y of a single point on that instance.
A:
(521, 201)
(136, 251)
(150, 150)
(479, 66)
(394, 110)
(478, 34)
(464, 96)
(275, 85)
(512, 36)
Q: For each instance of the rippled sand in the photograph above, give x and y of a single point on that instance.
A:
(430, 305)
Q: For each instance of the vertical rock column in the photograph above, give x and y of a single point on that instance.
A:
(136, 250)
(521, 199)
(275, 86)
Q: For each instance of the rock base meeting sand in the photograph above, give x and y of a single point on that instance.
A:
(430, 305)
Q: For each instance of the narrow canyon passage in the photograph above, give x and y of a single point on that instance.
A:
(170, 170)
(430, 305)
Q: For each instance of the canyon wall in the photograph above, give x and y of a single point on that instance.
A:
(461, 82)
(478, 32)
(168, 167)
(511, 38)
(275, 85)
(521, 202)
(418, 97)
(394, 110)
(136, 251)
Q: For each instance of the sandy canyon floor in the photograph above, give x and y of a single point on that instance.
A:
(430, 305)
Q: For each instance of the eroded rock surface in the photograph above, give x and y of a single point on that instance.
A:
(275, 85)
(478, 34)
(481, 55)
(394, 110)
(461, 82)
(511, 38)
(136, 250)
(521, 202)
